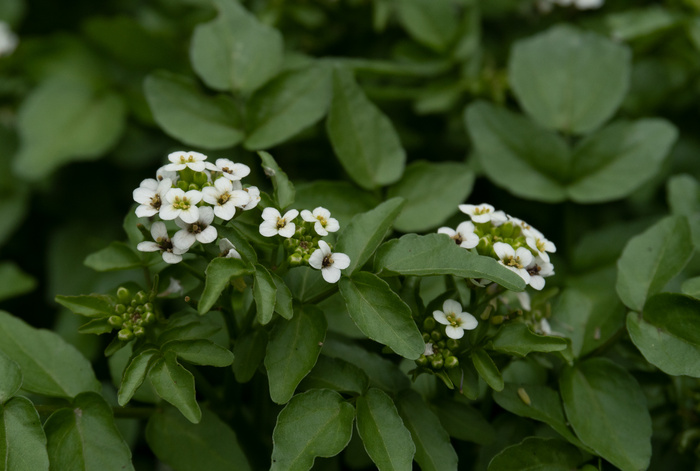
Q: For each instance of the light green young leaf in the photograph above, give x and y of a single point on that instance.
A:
(315, 423)
(14, 282)
(248, 353)
(135, 373)
(683, 195)
(218, 275)
(381, 314)
(84, 436)
(11, 377)
(22, 440)
(601, 399)
(335, 374)
(184, 446)
(536, 453)
(265, 294)
(363, 138)
(303, 335)
(293, 101)
(564, 94)
(199, 352)
(188, 115)
(691, 287)
(383, 433)
(518, 339)
(235, 52)
(487, 369)
(651, 259)
(464, 422)
(116, 256)
(88, 305)
(434, 452)
(433, 24)
(56, 369)
(175, 384)
(284, 189)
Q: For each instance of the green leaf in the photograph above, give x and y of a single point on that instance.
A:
(218, 274)
(487, 369)
(538, 454)
(383, 433)
(691, 287)
(617, 159)
(433, 24)
(84, 437)
(652, 259)
(675, 314)
(306, 283)
(602, 398)
(22, 440)
(359, 239)
(188, 115)
(248, 353)
(381, 314)
(464, 422)
(518, 339)
(14, 282)
(303, 335)
(13, 208)
(235, 51)
(363, 138)
(293, 101)
(683, 195)
(264, 293)
(184, 446)
(284, 190)
(135, 373)
(436, 254)
(335, 374)
(564, 93)
(199, 352)
(63, 121)
(343, 199)
(284, 300)
(55, 369)
(634, 23)
(116, 256)
(88, 305)
(175, 384)
(432, 192)
(236, 237)
(11, 377)
(434, 451)
(517, 154)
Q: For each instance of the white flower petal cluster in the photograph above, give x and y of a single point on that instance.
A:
(484, 213)
(323, 222)
(274, 223)
(455, 319)
(464, 235)
(162, 243)
(328, 262)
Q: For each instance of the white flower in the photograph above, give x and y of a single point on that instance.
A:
(274, 223)
(231, 170)
(254, 195)
(179, 203)
(516, 261)
(537, 242)
(181, 160)
(483, 213)
(175, 287)
(538, 270)
(227, 249)
(8, 40)
(328, 262)
(171, 253)
(428, 349)
(464, 236)
(455, 320)
(224, 198)
(544, 327)
(162, 174)
(201, 230)
(323, 222)
(150, 195)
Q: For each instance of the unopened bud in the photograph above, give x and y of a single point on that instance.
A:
(125, 335)
(497, 320)
(120, 309)
(436, 335)
(115, 321)
(148, 318)
(426, 337)
(139, 331)
(141, 297)
(429, 324)
(437, 363)
(422, 360)
(452, 344)
(451, 362)
(123, 294)
(295, 259)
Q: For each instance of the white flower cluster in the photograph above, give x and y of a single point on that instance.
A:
(546, 5)
(456, 320)
(192, 191)
(517, 245)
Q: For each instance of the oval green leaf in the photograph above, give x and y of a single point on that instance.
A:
(538, 454)
(22, 439)
(175, 384)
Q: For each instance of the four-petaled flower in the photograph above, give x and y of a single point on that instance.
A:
(274, 223)
(484, 213)
(181, 204)
(455, 320)
(323, 222)
(254, 197)
(328, 262)
(538, 269)
(181, 160)
(464, 236)
(201, 230)
(150, 195)
(227, 249)
(224, 198)
(537, 242)
(515, 260)
(231, 170)
(162, 243)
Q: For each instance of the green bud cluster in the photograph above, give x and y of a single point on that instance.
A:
(132, 314)
(191, 180)
(508, 232)
(443, 356)
(300, 247)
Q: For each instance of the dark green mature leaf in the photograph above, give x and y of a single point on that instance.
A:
(651, 259)
(343, 199)
(538, 454)
(63, 121)
(691, 287)
(283, 301)
(315, 423)
(13, 208)
(517, 154)
(55, 369)
(383, 433)
(434, 451)
(306, 283)
(283, 189)
(186, 114)
(234, 235)
(303, 335)
(381, 314)
(290, 103)
(209, 445)
(219, 272)
(363, 138)
(264, 293)
(116, 256)
(22, 440)
(433, 24)
(676, 315)
(601, 400)
(248, 353)
(683, 195)
(616, 160)
(634, 23)
(175, 384)
(436, 254)
(432, 192)
(88, 305)
(464, 422)
(11, 377)
(366, 231)
(487, 369)
(135, 373)
(564, 93)
(84, 437)
(14, 282)
(336, 374)
(518, 339)
(199, 352)
(226, 52)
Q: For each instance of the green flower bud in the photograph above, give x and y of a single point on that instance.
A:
(125, 335)
(123, 294)
(507, 229)
(130, 310)
(139, 331)
(441, 344)
(429, 324)
(200, 178)
(295, 260)
(306, 258)
(120, 309)
(452, 344)
(497, 320)
(183, 185)
(426, 337)
(437, 363)
(128, 324)
(451, 362)
(141, 297)
(115, 321)
(148, 307)
(290, 243)
(148, 318)
(436, 335)
(445, 353)
(192, 186)
(422, 360)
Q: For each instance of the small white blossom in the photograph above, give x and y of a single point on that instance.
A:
(150, 196)
(175, 287)
(8, 40)
(231, 170)
(538, 270)
(181, 160)
(537, 242)
(224, 198)
(162, 174)
(162, 243)
(201, 230)
(455, 320)
(181, 204)
(274, 223)
(323, 222)
(483, 213)
(227, 249)
(254, 197)
(464, 236)
(516, 261)
(428, 349)
(328, 262)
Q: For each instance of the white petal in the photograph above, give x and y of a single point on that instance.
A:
(450, 306)
(524, 256)
(470, 241)
(268, 228)
(194, 196)
(182, 224)
(467, 321)
(143, 195)
(159, 231)
(320, 230)
(322, 212)
(225, 245)
(340, 260)
(183, 239)
(325, 248)
(503, 250)
(225, 212)
(288, 230)
(238, 198)
(177, 157)
(223, 185)
(207, 236)
(168, 212)
(537, 282)
(441, 317)
(332, 225)
(174, 193)
(210, 195)
(330, 274)
(291, 214)
(169, 257)
(446, 230)
(480, 219)
(271, 214)
(316, 259)
(190, 215)
(307, 216)
(465, 228)
(148, 247)
(144, 211)
(206, 215)
(233, 253)
(454, 332)
(196, 166)
(467, 208)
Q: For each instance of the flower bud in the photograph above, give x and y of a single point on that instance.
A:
(148, 318)
(441, 344)
(452, 344)
(451, 362)
(183, 185)
(125, 335)
(426, 337)
(199, 178)
(148, 307)
(141, 297)
(507, 229)
(422, 360)
(115, 321)
(497, 320)
(295, 260)
(437, 363)
(139, 331)
(123, 294)
(429, 324)
(436, 335)
(120, 309)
